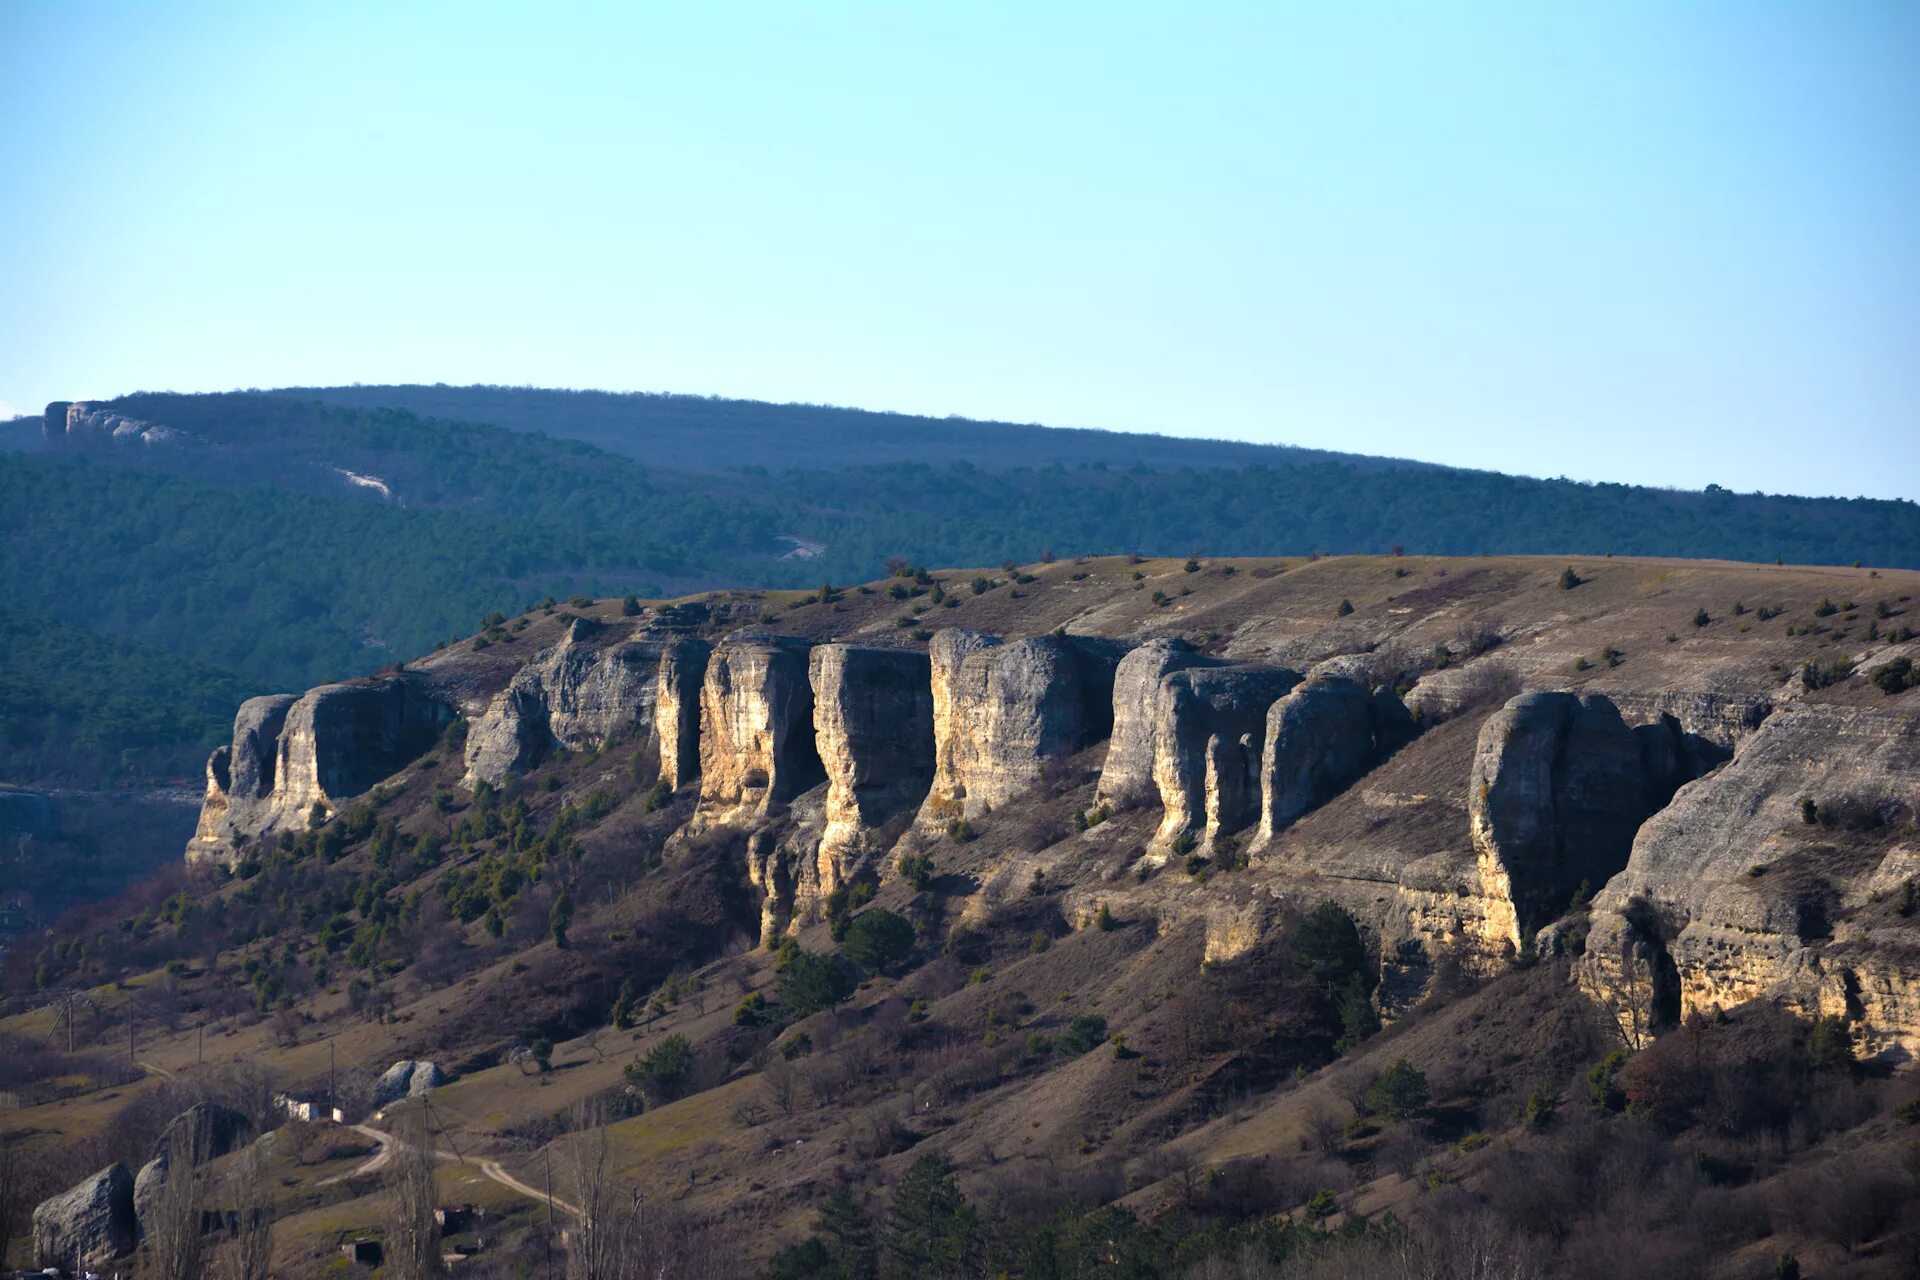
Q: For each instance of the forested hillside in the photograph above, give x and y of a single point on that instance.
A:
(285, 541)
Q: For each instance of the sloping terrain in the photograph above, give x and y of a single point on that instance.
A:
(1092, 881)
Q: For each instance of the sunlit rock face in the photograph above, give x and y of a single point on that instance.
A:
(341, 739)
(1208, 730)
(681, 674)
(597, 685)
(1003, 710)
(1731, 893)
(1126, 778)
(756, 729)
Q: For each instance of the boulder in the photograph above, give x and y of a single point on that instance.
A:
(87, 1225)
(406, 1079)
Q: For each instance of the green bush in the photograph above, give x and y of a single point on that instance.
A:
(1081, 1035)
(811, 982)
(879, 941)
(1400, 1092)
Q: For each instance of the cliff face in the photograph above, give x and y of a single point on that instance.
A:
(1732, 894)
(82, 421)
(1126, 778)
(329, 744)
(1558, 788)
(1208, 732)
(582, 694)
(873, 727)
(756, 729)
(1319, 738)
(1002, 711)
(1675, 795)
(240, 778)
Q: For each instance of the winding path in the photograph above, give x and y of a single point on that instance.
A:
(490, 1168)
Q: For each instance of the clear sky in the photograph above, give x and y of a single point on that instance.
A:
(1667, 243)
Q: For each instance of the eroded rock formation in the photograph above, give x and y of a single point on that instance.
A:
(873, 727)
(1557, 790)
(84, 421)
(1126, 778)
(329, 744)
(756, 729)
(1003, 710)
(1208, 727)
(592, 687)
(1732, 894)
(1319, 738)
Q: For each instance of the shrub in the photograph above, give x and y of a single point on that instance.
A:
(750, 1012)
(960, 831)
(1826, 608)
(662, 1071)
(1081, 1035)
(1103, 919)
(879, 941)
(630, 607)
(916, 869)
(810, 982)
(1896, 676)
(1327, 946)
(1542, 1103)
(1346, 607)
(1569, 579)
(1701, 618)
(1399, 1093)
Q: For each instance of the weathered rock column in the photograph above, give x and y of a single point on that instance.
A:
(873, 726)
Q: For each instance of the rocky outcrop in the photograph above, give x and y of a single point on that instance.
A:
(1319, 738)
(873, 727)
(679, 677)
(1208, 729)
(83, 421)
(88, 1225)
(407, 1079)
(1731, 893)
(1126, 778)
(329, 744)
(1003, 711)
(1557, 789)
(341, 739)
(581, 694)
(756, 729)
(240, 778)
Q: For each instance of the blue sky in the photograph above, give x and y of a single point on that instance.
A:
(1665, 243)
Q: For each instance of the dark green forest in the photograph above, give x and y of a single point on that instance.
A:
(248, 555)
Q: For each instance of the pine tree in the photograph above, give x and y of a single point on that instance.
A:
(847, 1233)
(932, 1229)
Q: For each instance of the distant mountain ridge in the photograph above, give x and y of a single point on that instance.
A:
(713, 433)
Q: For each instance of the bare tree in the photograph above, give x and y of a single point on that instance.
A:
(14, 1209)
(176, 1246)
(248, 1251)
(605, 1243)
(413, 1234)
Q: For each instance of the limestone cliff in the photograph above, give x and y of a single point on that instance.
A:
(83, 421)
(756, 729)
(240, 778)
(1557, 789)
(1126, 777)
(873, 727)
(1319, 738)
(583, 693)
(329, 744)
(1002, 711)
(681, 673)
(1739, 890)
(1208, 731)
